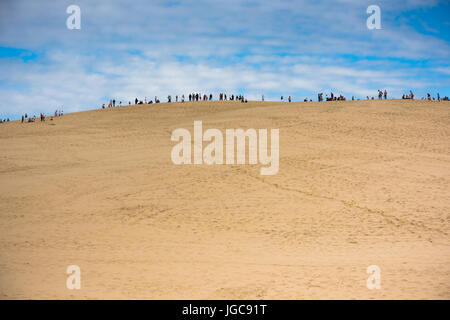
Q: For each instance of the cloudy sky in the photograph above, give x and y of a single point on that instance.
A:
(146, 48)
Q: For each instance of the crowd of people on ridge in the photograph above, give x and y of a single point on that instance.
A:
(193, 97)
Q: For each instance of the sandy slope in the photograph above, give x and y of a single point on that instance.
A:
(360, 183)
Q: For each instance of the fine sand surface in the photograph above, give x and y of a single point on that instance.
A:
(360, 183)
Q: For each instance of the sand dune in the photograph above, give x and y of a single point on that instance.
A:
(360, 183)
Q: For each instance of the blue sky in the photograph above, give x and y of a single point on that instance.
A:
(147, 48)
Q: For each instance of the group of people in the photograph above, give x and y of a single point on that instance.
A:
(438, 98)
(112, 103)
(429, 97)
(4, 120)
(332, 97)
(381, 94)
(25, 118)
(222, 97)
(282, 98)
(198, 97)
(335, 98)
(192, 97)
(42, 116)
(408, 96)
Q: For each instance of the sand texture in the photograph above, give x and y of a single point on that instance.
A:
(360, 183)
